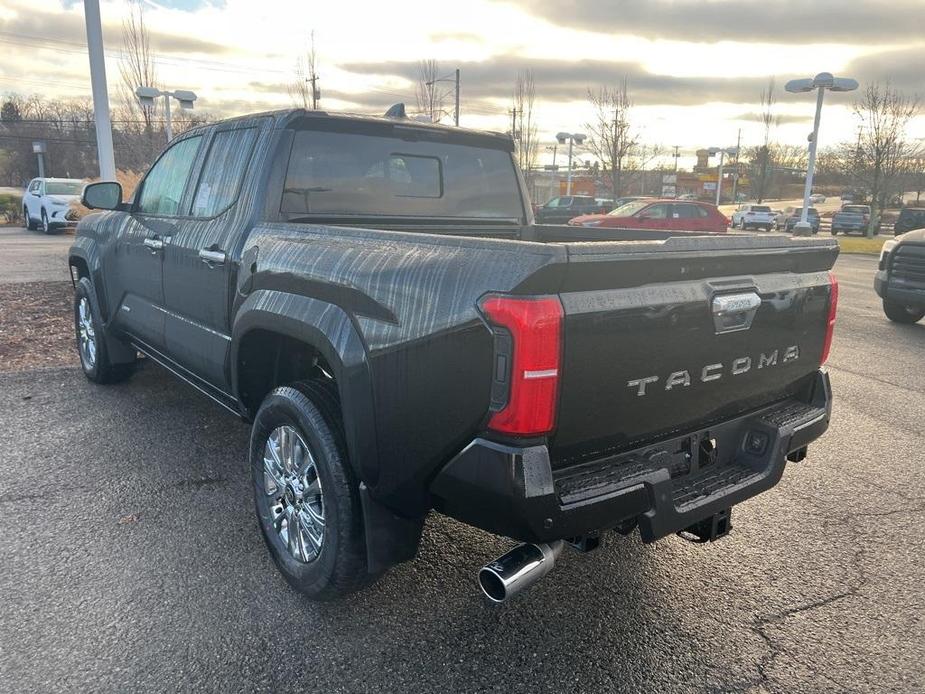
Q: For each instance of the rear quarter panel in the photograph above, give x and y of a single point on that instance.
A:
(412, 300)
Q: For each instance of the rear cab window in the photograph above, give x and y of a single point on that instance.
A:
(399, 171)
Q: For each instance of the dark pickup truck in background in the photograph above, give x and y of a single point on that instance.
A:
(374, 296)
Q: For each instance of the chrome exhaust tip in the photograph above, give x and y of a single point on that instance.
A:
(514, 572)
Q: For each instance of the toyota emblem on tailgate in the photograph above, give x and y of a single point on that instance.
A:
(734, 312)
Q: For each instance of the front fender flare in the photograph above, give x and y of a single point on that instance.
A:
(330, 330)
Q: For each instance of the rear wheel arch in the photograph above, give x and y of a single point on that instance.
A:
(272, 348)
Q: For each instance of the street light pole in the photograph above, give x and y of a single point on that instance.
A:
(821, 82)
(811, 162)
(100, 94)
(147, 95)
(572, 139)
(719, 176)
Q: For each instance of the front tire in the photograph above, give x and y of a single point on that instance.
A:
(27, 219)
(901, 313)
(91, 339)
(305, 492)
(46, 225)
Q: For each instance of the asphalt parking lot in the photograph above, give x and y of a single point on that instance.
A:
(132, 560)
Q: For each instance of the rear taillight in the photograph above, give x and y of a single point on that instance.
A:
(830, 324)
(530, 362)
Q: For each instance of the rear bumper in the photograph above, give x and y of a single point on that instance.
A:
(665, 487)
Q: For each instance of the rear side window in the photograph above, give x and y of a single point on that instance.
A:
(163, 187)
(344, 173)
(223, 171)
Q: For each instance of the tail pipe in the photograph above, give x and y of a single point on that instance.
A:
(514, 572)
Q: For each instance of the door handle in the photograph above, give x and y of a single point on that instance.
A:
(212, 258)
(154, 243)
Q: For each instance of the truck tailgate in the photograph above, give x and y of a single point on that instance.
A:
(663, 337)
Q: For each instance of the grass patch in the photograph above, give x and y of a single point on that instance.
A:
(856, 244)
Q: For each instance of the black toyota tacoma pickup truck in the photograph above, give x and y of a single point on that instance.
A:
(373, 295)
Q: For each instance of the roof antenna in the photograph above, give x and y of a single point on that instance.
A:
(396, 111)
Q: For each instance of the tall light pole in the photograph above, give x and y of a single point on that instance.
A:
(572, 139)
(100, 93)
(821, 82)
(147, 95)
(719, 176)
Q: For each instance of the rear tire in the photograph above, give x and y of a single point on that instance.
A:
(901, 313)
(91, 340)
(312, 490)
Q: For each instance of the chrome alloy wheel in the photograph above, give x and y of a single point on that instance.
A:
(290, 478)
(85, 334)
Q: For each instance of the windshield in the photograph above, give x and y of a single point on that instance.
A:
(348, 173)
(856, 209)
(629, 209)
(760, 208)
(63, 187)
(799, 210)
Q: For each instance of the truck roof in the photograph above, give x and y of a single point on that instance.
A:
(285, 117)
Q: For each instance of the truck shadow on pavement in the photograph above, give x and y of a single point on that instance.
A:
(164, 563)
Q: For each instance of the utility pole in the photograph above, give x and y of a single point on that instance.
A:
(315, 93)
(100, 93)
(455, 79)
(457, 98)
(677, 153)
(735, 175)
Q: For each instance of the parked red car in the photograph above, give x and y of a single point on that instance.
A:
(661, 215)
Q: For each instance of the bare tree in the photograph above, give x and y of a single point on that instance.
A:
(430, 96)
(304, 87)
(610, 135)
(137, 63)
(762, 162)
(525, 131)
(883, 152)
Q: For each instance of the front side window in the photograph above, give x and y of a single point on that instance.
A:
(355, 173)
(656, 212)
(629, 209)
(163, 187)
(223, 171)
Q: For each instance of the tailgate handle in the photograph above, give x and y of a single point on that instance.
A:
(734, 312)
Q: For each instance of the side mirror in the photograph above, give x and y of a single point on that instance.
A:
(105, 195)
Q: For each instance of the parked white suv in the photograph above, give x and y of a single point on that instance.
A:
(754, 216)
(46, 204)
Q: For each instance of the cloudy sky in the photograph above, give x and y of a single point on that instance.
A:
(695, 68)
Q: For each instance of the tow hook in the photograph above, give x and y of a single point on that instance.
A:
(709, 529)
